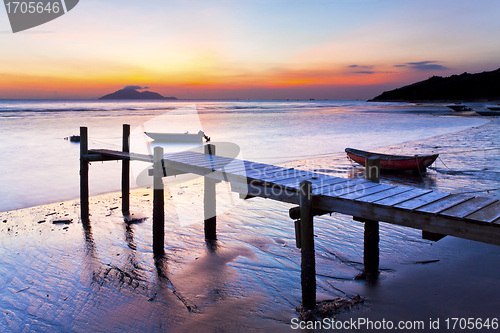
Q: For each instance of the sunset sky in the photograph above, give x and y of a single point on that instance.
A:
(269, 49)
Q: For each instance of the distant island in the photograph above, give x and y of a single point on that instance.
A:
(483, 86)
(132, 93)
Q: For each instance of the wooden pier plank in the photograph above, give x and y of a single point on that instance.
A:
(277, 173)
(489, 213)
(258, 190)
(322, 185)
(286, 180)
(353, 188)
(199, 158)
(340, 188)
(384, 194)
(422, 200)
(236, 165)
(337, 186)
(254, 174)
(317, 177)
(294, 180)
(227, 166)
(282, 175)
(241, 176)
(294, 183)
(261, 170)
(468, 207)
(199, 151)
(367, 191)
(445, 203)
(182, 154)
(399, 198)
(206, 164)
(249, 174)
(318, 184)
(203, 171)
(202, 160)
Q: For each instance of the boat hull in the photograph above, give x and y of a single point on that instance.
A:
(393, 162)
(459, 107)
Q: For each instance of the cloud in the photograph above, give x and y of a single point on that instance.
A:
(357, 66)
(363, 69)
(425, 65)
(135, 87)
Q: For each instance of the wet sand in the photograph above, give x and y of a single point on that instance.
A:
(56, 275)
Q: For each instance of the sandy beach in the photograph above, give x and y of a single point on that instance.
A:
(56, 275)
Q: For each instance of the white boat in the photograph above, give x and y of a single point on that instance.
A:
(458, 107)
(177, 137)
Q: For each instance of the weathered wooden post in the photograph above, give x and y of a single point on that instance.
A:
(126, 172)
(158, 203)
(372, 169)
(209, 201)
(371, 233)
(84, 175)
(308, 265)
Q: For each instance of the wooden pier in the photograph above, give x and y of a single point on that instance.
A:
(436, 213)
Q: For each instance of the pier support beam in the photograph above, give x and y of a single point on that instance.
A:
(371, 249)
(308, 264)
(209, 202)
(126, 171)
(371, 233)
(84, 176)
(158, 203)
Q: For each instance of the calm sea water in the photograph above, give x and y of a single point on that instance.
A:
(37, 165)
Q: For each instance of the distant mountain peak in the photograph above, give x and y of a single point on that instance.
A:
(131, 93)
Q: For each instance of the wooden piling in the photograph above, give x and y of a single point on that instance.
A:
(371, 232)
(158, 204)
(126, 171)
(308, 264)
(209, 201)
(371, 249)
(84, 175)
(372, 169)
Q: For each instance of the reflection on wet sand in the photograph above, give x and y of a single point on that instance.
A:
(128, 273)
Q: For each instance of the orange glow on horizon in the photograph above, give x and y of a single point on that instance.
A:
(42, 86)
